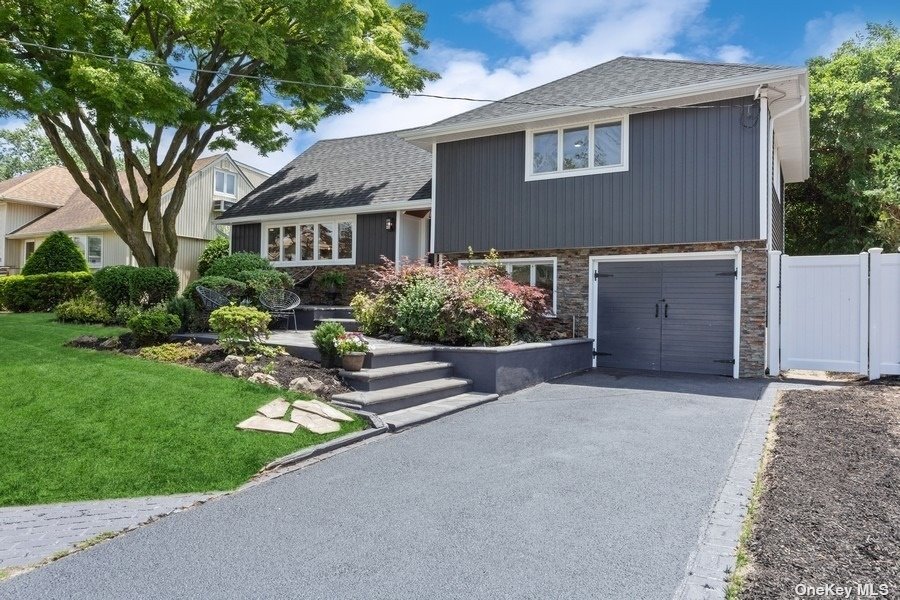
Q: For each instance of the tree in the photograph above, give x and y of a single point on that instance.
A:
(174, 78)
(852, 199)
(56, 254)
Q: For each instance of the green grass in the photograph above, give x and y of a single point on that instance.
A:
(81, 424)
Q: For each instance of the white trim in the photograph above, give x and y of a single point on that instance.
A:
(773, 315)
(433, 194)
(677, 93)
(25, 250)
(397, 229)
(875, 308)
(765, 206)
(864, 297)
(329, 212)
(590, 170)
(528, 260)
(298, 223)
(593, 263)
(226, 173)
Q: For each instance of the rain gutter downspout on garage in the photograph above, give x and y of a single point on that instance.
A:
(770, 166)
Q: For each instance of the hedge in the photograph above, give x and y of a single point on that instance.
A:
(33, 293)
(149, 286)
(232, 265)
(111, 285)
(56, 254)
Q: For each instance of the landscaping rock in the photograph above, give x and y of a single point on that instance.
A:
(318, 407)
(110, 344)
(264, 379)
(275, 409)
(312, 422)
(233, 359)
(306, 384)
(243, 370)
(258, 423)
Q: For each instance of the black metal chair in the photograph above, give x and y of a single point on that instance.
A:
(302, 282)
(211, 298)
(281, 303)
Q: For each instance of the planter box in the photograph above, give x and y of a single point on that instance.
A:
(505, 369)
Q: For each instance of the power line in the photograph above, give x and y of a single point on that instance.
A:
(366, 90)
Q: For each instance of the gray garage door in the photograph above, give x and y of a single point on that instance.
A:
(666, 315)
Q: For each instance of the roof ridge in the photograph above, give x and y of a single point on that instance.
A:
(712, 63)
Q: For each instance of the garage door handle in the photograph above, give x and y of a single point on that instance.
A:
(666, 314)
(657, 312)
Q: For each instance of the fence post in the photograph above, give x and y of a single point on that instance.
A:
(773, 314)
(863, 313)
(874, 313)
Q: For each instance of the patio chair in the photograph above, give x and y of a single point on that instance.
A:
(281, 303)
(211, 298)
(301, 282)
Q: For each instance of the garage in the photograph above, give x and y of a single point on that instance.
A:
(672, 314)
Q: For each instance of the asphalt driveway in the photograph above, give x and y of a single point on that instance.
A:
(593, 486)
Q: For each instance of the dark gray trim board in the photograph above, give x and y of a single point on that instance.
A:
(693, 176)
(246, 237)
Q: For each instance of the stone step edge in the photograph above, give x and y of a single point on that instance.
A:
(398, 370)
(422, 415)
(400, 392)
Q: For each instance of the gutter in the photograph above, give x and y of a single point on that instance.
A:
(769, 167)
(424, 203)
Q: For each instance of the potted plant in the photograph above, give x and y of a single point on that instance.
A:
(324, 337)
(352, 348)
(333, 281)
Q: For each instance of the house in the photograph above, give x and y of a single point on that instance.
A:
(643, 194)
(34, 205)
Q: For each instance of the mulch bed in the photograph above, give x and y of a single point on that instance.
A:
(283, 368)
(830, 509)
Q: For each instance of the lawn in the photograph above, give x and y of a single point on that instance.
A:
(81, 424)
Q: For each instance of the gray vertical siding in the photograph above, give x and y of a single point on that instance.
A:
(246, 237)
(777, 220)
(693, 177)
(372, 239)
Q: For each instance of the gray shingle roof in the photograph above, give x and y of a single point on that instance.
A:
(623, 76)
(343, 173)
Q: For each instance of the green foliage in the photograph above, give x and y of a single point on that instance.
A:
(351, 342)
(336, 279)
(216, 249)
(850, 203)
(3, 282)
(153, 326)
(234, 264)
(260, 280)
(111, 284)
(372, 312)
(34, 293)
(56, 254)
(232, 289)
(170, 352)
(87, 308)
(241, 329)
(186, 311)
(124, 312)
(324, 336)
(148, 286)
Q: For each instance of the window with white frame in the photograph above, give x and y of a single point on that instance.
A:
(92, 248)
(225, 182)
(578, 150)
(319, 242)
(538, 272)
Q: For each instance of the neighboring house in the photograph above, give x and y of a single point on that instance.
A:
(643, 194)
(34, 205)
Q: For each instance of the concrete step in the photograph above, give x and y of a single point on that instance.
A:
(404, 396)
(416, 415)
(397, 355)
(369, 380)
(335, 312)
(349, 324)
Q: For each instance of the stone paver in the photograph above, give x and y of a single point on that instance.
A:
(275, 409)
(258, 423)
(313, 422)
(317, 407)
(29, 534)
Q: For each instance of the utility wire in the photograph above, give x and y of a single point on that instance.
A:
(352, 89)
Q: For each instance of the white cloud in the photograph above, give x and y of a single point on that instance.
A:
(733, 54)
(823, 35)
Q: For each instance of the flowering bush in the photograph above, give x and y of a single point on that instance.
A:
(449, 305)
(350, 342)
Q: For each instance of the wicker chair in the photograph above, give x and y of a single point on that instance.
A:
(211, 298)
(281, 303)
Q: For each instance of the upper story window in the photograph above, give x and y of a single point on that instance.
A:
(225, 183)
(579, 150)
(311, 243)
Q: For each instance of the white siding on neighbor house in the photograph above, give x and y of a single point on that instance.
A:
(14, 215)
(189, 251)
(254, 176)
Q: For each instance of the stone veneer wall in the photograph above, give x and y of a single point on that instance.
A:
(572, 281)
(357, 279)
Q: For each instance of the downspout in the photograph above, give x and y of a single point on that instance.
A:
(769, 168)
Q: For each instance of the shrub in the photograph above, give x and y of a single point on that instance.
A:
(241, 329)
(170, 352)
(124, 313)
(87, 308)
(153, 326)
(187, 313)
(216, 249)
(333, 279)
(232, 289)
(56, 254)
(31, 293)
(373, 313)
(233, 264)
(260, 280)
(350, 342)
(111, 284)
(3, 282)
(148, 286)
(324, 337)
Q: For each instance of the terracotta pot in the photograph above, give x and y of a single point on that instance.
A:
(353, 361)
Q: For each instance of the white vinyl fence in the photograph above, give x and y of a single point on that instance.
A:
(835, 313)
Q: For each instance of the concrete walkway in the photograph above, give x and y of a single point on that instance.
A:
(29, 534)
(599, 485)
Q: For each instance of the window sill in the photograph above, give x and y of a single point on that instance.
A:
(575, 173)
(313, 263)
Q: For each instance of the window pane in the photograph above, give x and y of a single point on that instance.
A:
(543, 278)
(220, 181)
(229, 183)
(521, 274)
(29, 249)
(95, 251)
(575, 148)
(608, 144)
(325, 241)
(545, 147)
(289, 243)
(345, 240)
(273, 251)
(307, 242)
